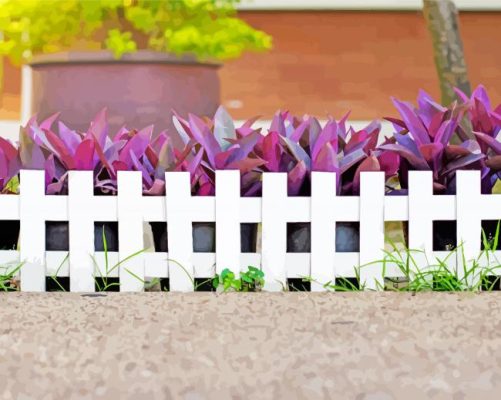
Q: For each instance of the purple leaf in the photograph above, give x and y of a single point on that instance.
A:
(408, 142)
(223, 128)
(428, 108)
(156, 189)
(139, 167)
(166, 158)
(388, 162)
(342, 125)
(373, 127)
(483, 116)
(369, 164)
(327, 135)
(461, 95)
(182, 128)
(194, 163)
(297, 151)
(272, 151)
(246, 165)
(47, 123)
(295, 178)
(203, 135)
(326, 160)
(412, 121)
(351, 159)
(8, 149)
(315, 129)
(60, 149)
(416, 161)
(206, 189)
(277, 124)
(70, 138)
(137, 145)
(481, 94)
(246, 127)
(461, 163)
(99, 127)
(30, 152)
(445, 132)
(489, 141)
(84, 156)
(496, 117)
(4, 167)
(57, 187)
(159, 141)
(245, 145)
(298, 132)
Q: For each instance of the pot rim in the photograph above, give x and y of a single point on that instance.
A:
(106, 57)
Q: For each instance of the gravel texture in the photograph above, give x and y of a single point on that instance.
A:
(256, 345)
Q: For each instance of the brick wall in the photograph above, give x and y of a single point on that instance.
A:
(331, 62)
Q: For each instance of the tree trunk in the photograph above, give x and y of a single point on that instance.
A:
(442, 20)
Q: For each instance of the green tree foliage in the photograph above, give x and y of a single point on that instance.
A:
(208, 29)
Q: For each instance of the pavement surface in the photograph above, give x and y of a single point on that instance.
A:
(256, 345)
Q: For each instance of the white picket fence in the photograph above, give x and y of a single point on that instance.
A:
(81, 208)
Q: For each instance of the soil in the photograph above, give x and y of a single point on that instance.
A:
(255, 345)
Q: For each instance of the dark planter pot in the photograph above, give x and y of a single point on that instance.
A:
(299, 237)
(80, 84)
(348, 237)
(204, 237)
(57, 236)
(9, 234)
(248, 238)
(160, 241)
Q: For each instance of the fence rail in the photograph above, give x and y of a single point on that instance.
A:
(81, 208)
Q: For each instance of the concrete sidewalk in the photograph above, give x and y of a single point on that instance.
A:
(259, 346)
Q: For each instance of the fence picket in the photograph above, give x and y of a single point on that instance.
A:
(228, 221)
(130, 231)
(323, 229)
(81, 228)
(371, 229)
(420, 220)
(420, 209)
(179, 211)
(32, 231)
(274, 232)
(469, 211)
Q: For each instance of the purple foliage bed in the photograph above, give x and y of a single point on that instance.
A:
(428, 136)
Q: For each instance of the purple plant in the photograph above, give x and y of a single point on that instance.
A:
(216, 144)
(486, 124)
(333, 148)
(9, 166)
(58, 153)
(295, 146)
(422, 138)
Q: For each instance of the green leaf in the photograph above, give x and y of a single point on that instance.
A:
(215, 282)
(120, 43)
(237, 284)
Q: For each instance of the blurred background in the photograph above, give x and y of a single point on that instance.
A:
(332, 56)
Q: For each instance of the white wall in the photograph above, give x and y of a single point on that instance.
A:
(467, 5)
(9, 130)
